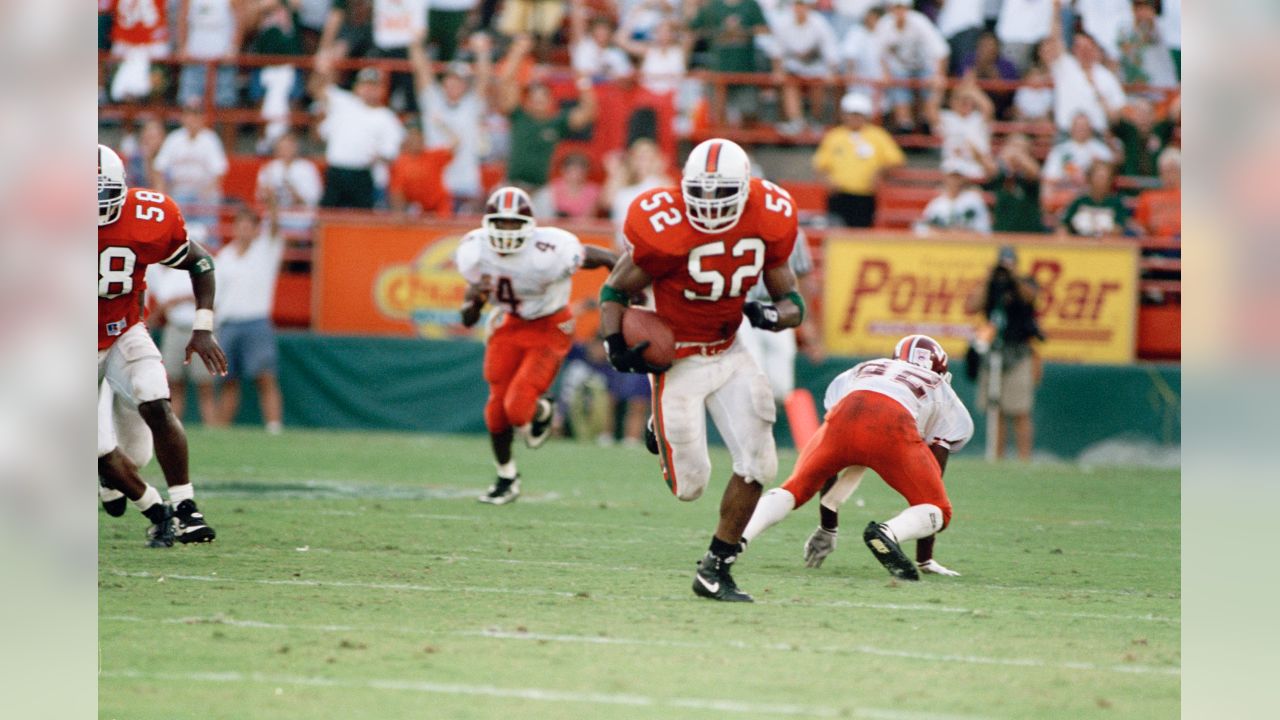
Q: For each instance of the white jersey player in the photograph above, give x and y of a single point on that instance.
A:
(775, 352)
(900, 417)
(527, 271)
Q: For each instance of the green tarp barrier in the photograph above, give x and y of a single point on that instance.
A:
(437, 386)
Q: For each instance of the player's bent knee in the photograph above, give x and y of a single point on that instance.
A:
(520, 407)
(691, 481)
(945, 509)
(157, 411)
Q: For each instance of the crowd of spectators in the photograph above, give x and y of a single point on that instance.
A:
(526, 83)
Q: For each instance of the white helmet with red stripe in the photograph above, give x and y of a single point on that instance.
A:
(923, 351)
(111, 186)
(508, 219)
(716, 183)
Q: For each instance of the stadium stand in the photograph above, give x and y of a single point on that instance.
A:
(701, 106)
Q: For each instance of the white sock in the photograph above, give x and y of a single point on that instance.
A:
(108, 494)
(275, 427)
(178, 493)
(150, 497)
(523, 430)
(507, 471)
(917, 521)
(773, 506)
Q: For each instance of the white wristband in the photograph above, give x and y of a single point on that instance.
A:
(204, 320)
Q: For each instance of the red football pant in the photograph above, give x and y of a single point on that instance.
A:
(874, 430)
(520, 364)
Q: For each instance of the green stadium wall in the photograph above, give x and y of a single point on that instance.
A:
(435, 386)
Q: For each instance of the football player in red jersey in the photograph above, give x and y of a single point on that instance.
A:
(137, 227)
(703, 246)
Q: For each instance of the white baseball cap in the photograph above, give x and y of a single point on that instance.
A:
(903, 3)
(960, 166)
(856, 103)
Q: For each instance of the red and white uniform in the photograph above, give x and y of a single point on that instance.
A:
(533, 334)
(700, 282)
(149, 230)
(140, 24)
(884, 414)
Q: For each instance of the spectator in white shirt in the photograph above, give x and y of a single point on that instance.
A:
(912, 49)
(247, 269)
(960, 206)
(1034, 98)
(1106, 21)
(359, 131)
(850, 13)
(209, 30)
(801, 44)
(1069, 161)
(1081, 83)
(961, 23)
(453, 113)
(190, 167)
(627, 177)
(965, 127)
(861, 54)
(592, 51)
(1146, 57)
(292, 183)
(663, 57)
(393, 26)
(173, 311)
(1022, 24)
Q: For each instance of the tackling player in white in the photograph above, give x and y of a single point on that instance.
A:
(900, 417)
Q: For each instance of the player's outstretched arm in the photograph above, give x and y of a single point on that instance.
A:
(595, 257)
(200, 265)
(477, 295)
(788, 308)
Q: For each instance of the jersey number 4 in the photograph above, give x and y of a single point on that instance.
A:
(753, 247)
(115, 271)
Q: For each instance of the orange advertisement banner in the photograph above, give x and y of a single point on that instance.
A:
(393, 279)
(878, 288)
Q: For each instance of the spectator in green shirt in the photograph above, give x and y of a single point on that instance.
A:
(729, 28)
(1143, 139)
(1100, 211)
(538, 124)
(1017, 188)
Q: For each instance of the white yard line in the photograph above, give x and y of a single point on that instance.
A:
(498, 634)
(535, 694)
(412, 587)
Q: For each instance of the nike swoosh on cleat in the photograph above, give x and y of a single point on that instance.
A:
(711, 587)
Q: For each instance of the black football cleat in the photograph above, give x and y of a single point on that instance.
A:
(713, 581)
(189, 523)
(540, 428)
(113, 501)
(160, 534)
(502, 492)
(886, 550)
(650, 437)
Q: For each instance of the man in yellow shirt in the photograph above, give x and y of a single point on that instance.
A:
(851, 157)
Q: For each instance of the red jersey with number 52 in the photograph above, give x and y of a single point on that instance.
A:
(700, 280)
(150, 230)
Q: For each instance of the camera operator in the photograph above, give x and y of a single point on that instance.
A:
(1007, 302)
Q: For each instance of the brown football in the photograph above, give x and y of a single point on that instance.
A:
(640, 325)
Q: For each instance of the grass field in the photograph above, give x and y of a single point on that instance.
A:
(355, 576)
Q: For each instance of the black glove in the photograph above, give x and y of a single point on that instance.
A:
(760, 315)
(625, 359)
